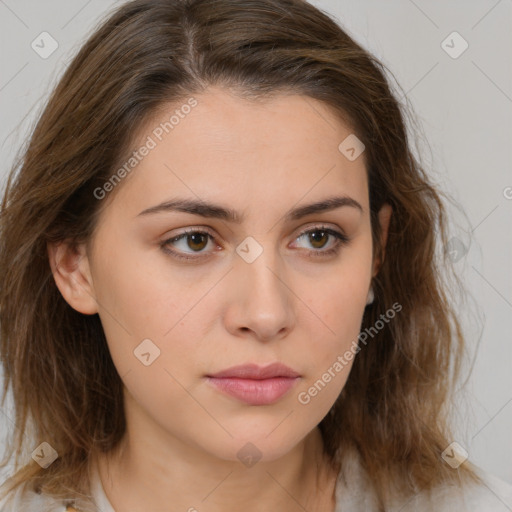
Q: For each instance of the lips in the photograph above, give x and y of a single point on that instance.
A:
(253, 384)
(253, 371)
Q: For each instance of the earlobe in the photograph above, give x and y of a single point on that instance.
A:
(384, 220)
(70, 269)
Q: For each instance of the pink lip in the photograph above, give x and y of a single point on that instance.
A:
(255, 385)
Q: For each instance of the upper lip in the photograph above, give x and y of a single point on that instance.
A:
(253, 371)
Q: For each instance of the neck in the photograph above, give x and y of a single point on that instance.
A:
(145, 473)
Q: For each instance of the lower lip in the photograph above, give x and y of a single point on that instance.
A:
(252, 391)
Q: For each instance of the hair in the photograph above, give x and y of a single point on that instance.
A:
(393, 410)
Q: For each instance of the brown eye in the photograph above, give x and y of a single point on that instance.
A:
(197, 241)
(184, 246)
(192, 244)
(318, 238)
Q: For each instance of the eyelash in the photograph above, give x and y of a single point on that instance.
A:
(341, 240)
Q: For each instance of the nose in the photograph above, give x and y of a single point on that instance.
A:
(261, 302)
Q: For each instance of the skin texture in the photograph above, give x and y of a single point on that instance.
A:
(260, 159)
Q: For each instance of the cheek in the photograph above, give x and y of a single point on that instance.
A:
(329, 355)
(141, 299)
(138, 290)
(342, 318)
(340, 298)
(339, 306)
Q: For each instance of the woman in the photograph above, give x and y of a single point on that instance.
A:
(220, 286)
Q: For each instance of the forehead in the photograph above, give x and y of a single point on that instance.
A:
(275, 150)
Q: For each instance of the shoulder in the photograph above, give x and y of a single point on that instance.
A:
(354, 494)
(29, 501)
(26, 499)
(492, 495)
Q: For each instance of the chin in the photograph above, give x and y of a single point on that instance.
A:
(260, 445)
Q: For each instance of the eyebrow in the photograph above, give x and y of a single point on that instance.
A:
(210, 210)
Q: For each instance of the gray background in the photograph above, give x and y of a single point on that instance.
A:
(464, 106)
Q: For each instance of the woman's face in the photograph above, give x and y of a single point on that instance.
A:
(256, 290)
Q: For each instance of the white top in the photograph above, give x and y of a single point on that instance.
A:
(351, 496)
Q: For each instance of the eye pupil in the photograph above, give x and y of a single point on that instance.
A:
(315, 239)
(197, 238)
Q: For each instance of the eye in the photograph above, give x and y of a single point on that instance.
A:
(195, 241)
(319, 236)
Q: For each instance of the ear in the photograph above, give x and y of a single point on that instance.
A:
(384, 218)
(70, 269)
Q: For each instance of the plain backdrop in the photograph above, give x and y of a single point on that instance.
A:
(453, 62)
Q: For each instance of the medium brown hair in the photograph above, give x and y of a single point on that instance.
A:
(393, 408)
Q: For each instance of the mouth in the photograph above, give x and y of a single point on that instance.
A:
(253, 384)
